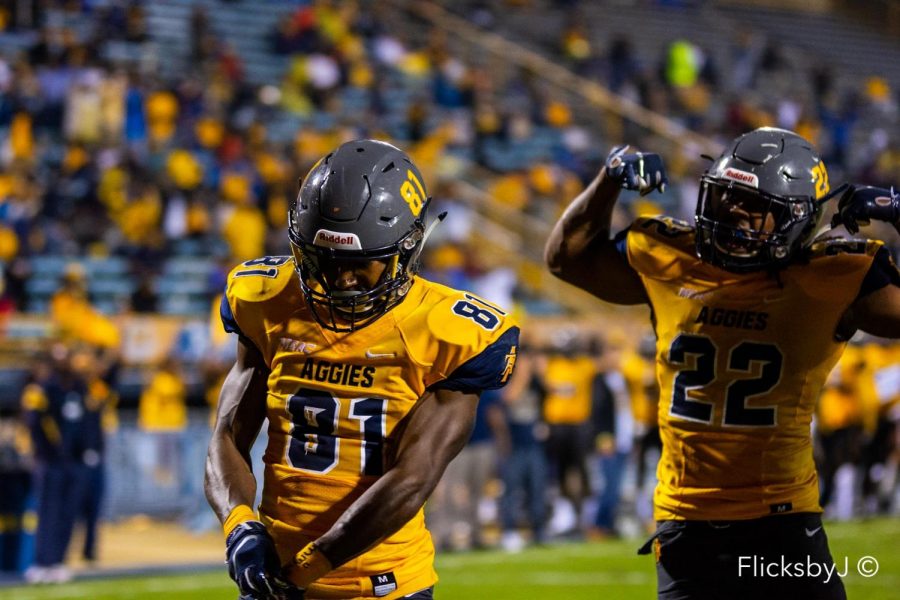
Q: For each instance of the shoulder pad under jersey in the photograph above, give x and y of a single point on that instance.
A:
(661, 247)
(834, 268)
(469, 343)
(842, 246)
(260, 290)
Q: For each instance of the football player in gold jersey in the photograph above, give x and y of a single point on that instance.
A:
(751, 311)
(369, 377)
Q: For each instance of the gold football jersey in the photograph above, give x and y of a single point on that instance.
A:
(640, 381)
(842, 401)
(741, 361)
(568, 381)
(335, 399)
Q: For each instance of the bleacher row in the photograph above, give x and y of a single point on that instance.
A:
(248, 27)
(183, 284)
(827, 42)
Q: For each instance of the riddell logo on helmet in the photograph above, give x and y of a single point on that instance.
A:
(335, 239)
(741, 177)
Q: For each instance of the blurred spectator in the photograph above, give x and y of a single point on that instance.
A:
(613, 439)
(200, 35)
(162, 414)
(135, 23)
(639, 372)
(881, 452)
(524, 466)
(15, 480)
(99, 418)
(623, 64)
(74, 316)
(54, 409)
(568, 380)
(839, 427)
(454, 509)
(144, 298)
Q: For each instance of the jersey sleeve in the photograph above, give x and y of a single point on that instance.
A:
(488, 370)
(658, 247)
(882, 273)
(258, 292)
(473, 344)
(229, 323)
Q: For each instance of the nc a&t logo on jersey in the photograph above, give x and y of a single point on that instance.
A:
(510, 364)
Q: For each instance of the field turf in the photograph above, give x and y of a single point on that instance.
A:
(571, 571)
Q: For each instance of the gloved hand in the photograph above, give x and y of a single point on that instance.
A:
(860, 204)
(642, 171)
(254, 565)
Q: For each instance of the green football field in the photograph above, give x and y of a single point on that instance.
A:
(582, 571)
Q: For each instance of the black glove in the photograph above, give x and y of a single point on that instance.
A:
(860, 204)
(642, 171)
(254, 565)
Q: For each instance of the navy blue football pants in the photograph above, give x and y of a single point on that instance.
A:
(778, 557)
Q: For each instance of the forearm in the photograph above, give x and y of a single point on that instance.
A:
(438, 429)
(381, 511)
(229, 480)
(587, 220)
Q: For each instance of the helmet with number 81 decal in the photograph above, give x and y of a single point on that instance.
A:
(364, 201)
(760, 202)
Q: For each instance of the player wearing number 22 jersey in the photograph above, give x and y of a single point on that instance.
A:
(751, 311)
(369, 376)
(740, 371)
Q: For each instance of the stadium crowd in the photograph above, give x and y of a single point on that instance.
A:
(106, 159)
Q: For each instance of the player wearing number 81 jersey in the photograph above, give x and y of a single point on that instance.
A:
(337, 400)
(369, 377)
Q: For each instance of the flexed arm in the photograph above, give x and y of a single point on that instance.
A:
(580, 251)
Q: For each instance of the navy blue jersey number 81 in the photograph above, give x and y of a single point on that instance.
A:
(314, 445)
(483, 315)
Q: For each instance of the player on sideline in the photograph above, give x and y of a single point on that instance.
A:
(751, 312)
(369, 377)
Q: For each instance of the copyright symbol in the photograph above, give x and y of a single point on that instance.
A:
(867, 566)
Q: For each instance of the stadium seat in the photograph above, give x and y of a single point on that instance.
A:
(111, 266)
(49, 264)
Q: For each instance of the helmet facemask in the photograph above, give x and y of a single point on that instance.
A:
(742, 229)
(349, 310)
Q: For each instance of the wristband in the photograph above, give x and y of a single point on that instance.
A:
(309, 565)
(239, 514)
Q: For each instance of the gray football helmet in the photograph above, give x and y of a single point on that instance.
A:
(760, 202)
(364, 201)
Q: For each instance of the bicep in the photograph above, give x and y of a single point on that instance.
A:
(434, 433)
(605, 273)
(878, 313)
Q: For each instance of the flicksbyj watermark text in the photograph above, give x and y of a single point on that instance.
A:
(781, 567)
